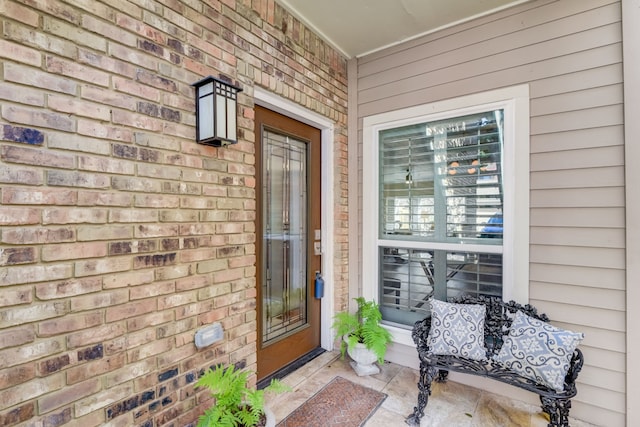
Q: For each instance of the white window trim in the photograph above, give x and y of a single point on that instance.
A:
(515, 102)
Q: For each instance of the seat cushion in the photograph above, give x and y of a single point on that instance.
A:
(457, 330)
(538, 350)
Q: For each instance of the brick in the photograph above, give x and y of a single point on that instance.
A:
(89, 198)
(22, 134)
(35, 78)
(74, 33)
(85, 144)
(159, 201)
(95, 335)
(204, 267)
(151, 230)
(73, 69)
(136, 120)
(160, 171)
(22, 95)
(101, 266)
(74, 251)
(132, 247)
(146, 261)
(154, 80)
(19, 315)
(32, 117)
(151, 319)
(176, 327)
(132, 88)
(15, 296)
(114, 32)
(154, 348)
(54, 364)
(15, 256)
(103, 399)
(136, 184)
(175, 300)
(154, 141)
(133, 215)
(173, 272)
(13, 154)
(62, 416)
(20, 175)
(35, 196)
(77, 179)
(29, 352)
(20, 53)
(35, 235)
(99, 164)
(91, 353)
(152, 290)
(130, 310)
(245, 261)
(68, 324)
(19, 13)
(108, 97)
(17, 415)
(16, 337)
(81, 373)
(18, 375)
(74, 216)
(131, 278)
(34, 273)
(178, 215)
(98, 130)
(30, 390)
(70, 393)
(110, 232)
(78, 107)
(197, 255)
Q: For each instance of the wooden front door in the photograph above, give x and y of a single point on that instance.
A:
(287, 228)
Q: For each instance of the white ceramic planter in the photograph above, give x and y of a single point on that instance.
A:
(271, 418)
(363, 360)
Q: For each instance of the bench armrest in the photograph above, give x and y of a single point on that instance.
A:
(420, 333)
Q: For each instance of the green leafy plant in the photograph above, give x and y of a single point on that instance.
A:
(236, 404)
(364, 327)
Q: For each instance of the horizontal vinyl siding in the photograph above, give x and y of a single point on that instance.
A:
(569, 52)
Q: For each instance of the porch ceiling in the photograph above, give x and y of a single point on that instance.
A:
(359, 27)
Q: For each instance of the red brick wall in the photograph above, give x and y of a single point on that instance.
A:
(119, 235)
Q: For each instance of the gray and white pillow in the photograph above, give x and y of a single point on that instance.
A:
(538, 351)
(457, 330)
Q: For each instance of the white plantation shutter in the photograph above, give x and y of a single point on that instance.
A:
(440, 182)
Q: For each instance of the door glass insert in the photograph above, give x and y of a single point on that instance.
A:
(284, 285)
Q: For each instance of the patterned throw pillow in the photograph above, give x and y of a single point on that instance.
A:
(538, 350)
(457, 329)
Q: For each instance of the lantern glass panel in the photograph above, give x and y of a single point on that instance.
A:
(221, 120)
(231, 116)
(205, 114)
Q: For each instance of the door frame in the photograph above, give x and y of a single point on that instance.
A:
(287, 108)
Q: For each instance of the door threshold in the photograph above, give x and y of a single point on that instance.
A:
(281, 373)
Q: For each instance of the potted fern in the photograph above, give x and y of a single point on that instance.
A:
(236, 404)
(363, 336)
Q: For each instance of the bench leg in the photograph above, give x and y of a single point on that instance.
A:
(558, 410)
(427, 374)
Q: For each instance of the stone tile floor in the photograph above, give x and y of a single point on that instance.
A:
(451, 404)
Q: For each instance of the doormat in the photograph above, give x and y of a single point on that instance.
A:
(339, 403)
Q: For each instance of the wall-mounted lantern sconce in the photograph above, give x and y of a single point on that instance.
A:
(216, 122)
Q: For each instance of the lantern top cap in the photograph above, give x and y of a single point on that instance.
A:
(211, 78)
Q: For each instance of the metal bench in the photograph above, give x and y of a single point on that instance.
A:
(499, 315)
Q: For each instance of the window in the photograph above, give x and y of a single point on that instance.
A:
(440, 190)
